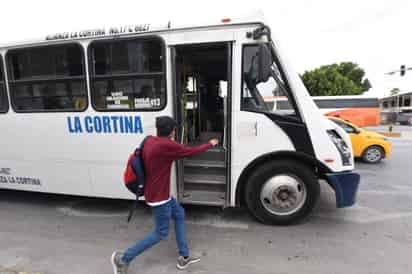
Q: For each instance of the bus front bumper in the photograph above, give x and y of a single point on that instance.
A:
(345, 185)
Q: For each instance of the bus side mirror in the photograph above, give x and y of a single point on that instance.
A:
(261, 65)
(265, 63)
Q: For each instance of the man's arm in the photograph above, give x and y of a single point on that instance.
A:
(177, 151)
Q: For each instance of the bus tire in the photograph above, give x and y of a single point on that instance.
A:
(282, 192)
(373, 154)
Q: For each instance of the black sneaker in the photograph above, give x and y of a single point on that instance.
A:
(182, 263)
(119, 267)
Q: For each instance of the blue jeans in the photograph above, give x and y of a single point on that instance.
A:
(162, 215)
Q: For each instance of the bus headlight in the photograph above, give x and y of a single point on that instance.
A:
(343, 148)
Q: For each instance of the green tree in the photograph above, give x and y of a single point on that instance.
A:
(345, 78)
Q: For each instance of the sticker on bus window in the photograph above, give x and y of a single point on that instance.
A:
(117, 94)
(111, 98)
(117, 101)
(142, 103)
(155, 102)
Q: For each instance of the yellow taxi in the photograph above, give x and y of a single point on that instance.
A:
(372, 147)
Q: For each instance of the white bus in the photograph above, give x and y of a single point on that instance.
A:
(74, 105)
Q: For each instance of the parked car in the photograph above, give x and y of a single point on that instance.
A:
(370, 146)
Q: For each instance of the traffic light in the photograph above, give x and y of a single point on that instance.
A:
(403, 69)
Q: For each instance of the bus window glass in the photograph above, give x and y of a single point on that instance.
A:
(48, 79)
(101, 55)
(270, 96)
(128, 74)
(348, 128)
(4, 104)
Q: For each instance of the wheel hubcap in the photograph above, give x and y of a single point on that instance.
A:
(373, 154)
(283, 194)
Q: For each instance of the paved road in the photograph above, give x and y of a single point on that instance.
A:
(61, 234)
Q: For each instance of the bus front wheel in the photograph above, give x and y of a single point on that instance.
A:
(282, 192)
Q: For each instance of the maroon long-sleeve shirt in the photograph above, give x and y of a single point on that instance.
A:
(158, 156)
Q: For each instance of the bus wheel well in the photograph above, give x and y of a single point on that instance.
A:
(319, 168)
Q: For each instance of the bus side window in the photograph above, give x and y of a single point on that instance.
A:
(48, 79)
(4, 104)
(128, 74)
(269, 96)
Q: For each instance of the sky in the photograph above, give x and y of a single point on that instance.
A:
(372, 33)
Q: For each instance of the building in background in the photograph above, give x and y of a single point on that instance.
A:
(360, 110)
(397, 108)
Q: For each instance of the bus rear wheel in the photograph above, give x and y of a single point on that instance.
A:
(282, 192)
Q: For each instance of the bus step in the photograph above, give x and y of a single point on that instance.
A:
(206, 171)
(205, 179)
(197, 197)
(204, 187)
(204, 163)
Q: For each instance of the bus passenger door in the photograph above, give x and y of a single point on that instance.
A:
(200, 72)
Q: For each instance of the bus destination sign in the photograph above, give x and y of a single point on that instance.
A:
(99, 32)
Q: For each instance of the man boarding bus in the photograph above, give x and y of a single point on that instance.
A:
(158, 155)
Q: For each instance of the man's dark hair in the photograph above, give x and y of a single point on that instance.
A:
(165, 125)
